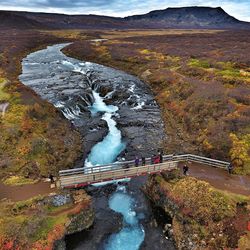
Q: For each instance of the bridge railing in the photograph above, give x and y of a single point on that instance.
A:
(108, 167)
(201, 160)
(129, 164)
(82, 179)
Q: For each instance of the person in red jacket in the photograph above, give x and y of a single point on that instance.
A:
(157, 159)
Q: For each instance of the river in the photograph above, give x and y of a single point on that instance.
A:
(113, 111)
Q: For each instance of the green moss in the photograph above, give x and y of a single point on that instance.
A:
(232, 73)
(199, 63)
(159, 179)
(53, 209)
(145, 51)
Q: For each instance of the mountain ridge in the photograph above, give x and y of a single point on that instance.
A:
(181, 17)
(188, 16)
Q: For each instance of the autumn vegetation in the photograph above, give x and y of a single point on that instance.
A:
(35, 138)
(210, 218)
(37, 223)
(200, 80)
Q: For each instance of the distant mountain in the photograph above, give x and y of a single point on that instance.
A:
(12, 19)
(30, 20)
(186, 17)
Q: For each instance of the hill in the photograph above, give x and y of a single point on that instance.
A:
(186, 17)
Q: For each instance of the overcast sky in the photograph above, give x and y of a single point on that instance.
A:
(237, 8)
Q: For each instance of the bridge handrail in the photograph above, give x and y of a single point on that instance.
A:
(102, 176)
(137, 168)
(115, 164)
(208, 160)
(171, 157)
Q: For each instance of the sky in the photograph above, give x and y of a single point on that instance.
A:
(120, 8)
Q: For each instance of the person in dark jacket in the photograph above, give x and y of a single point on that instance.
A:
(160, 156)
(125, 152)
(51, 177)
(185, 169)
(143, 161)
(230, 168)
(137, 161)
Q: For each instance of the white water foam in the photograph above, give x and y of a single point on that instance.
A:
(100, 106)
(109, 148)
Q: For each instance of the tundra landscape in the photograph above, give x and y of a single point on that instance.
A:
(82, 91)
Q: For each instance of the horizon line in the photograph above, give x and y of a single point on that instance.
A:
(113, 16)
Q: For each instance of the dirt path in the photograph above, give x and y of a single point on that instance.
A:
(18, 193)
(219, 178)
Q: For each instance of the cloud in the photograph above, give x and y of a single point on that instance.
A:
(237, 8)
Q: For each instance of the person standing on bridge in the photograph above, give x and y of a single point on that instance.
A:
(157, 159)
(153, 159)
(137, 161)
(160, 156)
(143, 161)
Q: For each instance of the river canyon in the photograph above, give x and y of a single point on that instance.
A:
(118, 119)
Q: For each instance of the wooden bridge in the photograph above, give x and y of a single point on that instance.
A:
(79, 177)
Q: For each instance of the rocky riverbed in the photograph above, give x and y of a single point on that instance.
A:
(108, 222)
(69, 83)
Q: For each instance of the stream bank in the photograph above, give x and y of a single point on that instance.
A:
(106, 219)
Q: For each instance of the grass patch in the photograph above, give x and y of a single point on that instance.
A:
(19, 206)
(47, 226)
(228, 70)
(234, 197)
(145, 51)
(3, 95)
(244, 241)
(18, 181)
(214, 206)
